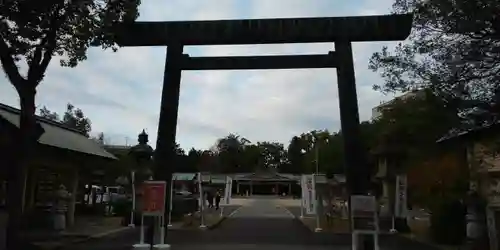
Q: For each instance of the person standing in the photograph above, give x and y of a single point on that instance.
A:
(217, 199)
(210, 199)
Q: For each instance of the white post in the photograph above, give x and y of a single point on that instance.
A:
(318, 222)
(141, 245)
(393, 225)
(141, 241)
(171, 202)
(202, 203)
(302, 208)
(302, 205)
(162, 245)
(132, 181)
(162, 230)
(225, 193)
(397, 205)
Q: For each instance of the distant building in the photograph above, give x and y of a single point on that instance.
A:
(377, 111)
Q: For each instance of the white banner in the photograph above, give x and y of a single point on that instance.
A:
(201, 200)
(304, 191)
(401, 209)
(227, 190)
(309, 192)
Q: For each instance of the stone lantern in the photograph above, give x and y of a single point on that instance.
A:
(389, 157)
(142, 153)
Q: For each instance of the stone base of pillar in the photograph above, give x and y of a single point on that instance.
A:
(161, 246)
(141, 246)
(59, 220)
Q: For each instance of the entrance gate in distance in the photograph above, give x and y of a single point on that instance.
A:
(342, 31)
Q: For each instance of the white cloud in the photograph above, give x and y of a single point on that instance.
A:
(120, 91)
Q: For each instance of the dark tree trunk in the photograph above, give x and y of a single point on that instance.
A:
(23, 150)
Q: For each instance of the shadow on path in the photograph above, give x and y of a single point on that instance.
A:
(258, 231)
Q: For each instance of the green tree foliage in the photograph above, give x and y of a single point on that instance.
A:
(273, 154)
(47, 114)
(192, 162)
(411, 126)
(73, 118)
(251, 159)
(230, 152)
(234, 154)
(452, 51)
(295, 157)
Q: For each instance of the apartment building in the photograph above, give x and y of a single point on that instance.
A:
(377, 111)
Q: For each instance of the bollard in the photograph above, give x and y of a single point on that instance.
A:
(162, 245)
(141, 245)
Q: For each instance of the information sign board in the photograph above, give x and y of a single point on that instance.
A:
(153, 199)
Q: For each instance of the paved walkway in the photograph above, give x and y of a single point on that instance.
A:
(262, 208)
(258, 224)
(266, 224)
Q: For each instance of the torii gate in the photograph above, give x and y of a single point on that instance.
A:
(342, 31)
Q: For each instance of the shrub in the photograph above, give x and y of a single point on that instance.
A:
(122, 207)
(448, 224)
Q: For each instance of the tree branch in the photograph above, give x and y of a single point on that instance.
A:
(43, 53)
(10, 67)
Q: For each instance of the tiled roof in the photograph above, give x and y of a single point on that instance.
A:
(460, 133)
(58, 135)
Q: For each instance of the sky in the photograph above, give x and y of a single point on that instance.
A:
(120, 92)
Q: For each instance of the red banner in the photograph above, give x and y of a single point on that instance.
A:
(153, 198)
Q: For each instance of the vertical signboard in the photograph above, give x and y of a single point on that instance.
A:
(201, 200)
(401, 209)
(154, 198)
(303, 192)
(313, 196)
(308, 187)
(227, 190)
